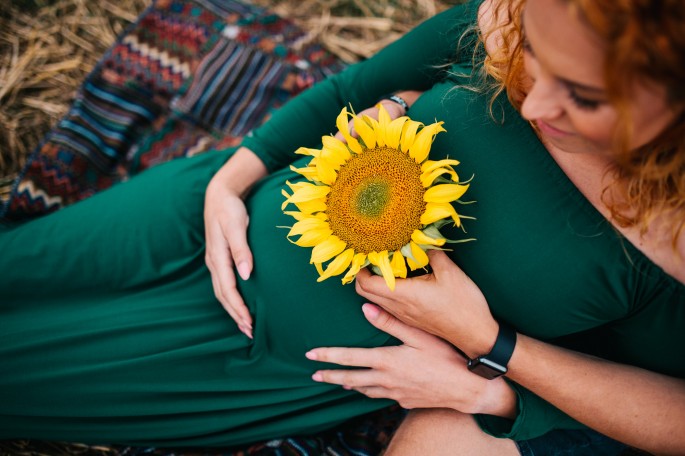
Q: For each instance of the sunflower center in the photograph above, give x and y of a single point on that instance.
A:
(376, 202)
(372, 197)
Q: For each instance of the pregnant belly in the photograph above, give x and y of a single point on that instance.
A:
(292, 311)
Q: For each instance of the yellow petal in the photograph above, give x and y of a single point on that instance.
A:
(308, 171)
(419, 255)
(427, 179)
(308, 151)
(378, 126)
(312, 238)
(430, 165)
(308, 192)
(297, 185)
(398, 265)
(420, 237)
(296, 215)
(335, 150)
(382, 260)
(308, 224)
(393, 132)
(326, 171)
(327, 249)
(365, 131)
(312, 206)
(444, 193)
(422, 144)
(357, 263)
(303, 215)
(343, 127)
(439, 211)
(338, 265)
(409, 134)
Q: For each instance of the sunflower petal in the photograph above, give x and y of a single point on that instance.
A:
(312, 206)
(421, 237)
(430, 165)
(422, 144)
(357, 263)
(326, 171)
(327, 249)
(398, 265)
(419, 255)
(308, 171)
(335, 150)
(444, 193)
(409, 130)
(338, 265)
(312, 238)
(308, 151)
(393, 132)
(432, 173)
(382, 260)
(308, 192)
(308, 224)
(366, 132)
(375, 125)
(438, 211)
(343, 127)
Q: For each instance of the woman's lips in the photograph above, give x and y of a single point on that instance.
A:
(549, 130)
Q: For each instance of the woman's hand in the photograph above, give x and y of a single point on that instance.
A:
(446, 303)
(226, 221)
(423, 372)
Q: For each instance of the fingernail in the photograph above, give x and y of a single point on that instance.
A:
(311, 355)
(370, 311)
(244, 270)
(247, 324)
(246, 331)
(317, 377)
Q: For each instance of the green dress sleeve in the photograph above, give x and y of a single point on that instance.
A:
(414, 62)
(534, 417)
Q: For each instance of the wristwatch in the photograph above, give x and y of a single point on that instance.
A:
(494, 364)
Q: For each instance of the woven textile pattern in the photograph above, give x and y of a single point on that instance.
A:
(186, 78)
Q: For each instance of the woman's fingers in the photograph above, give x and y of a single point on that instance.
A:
(219, 260)
(389, 324)
(236, 234)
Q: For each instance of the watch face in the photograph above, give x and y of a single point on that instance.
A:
(486, 368)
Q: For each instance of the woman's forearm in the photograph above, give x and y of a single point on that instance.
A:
(632, 405)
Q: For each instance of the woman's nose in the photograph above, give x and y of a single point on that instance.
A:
(543, 101)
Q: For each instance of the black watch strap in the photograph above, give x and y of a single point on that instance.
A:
(494, 364)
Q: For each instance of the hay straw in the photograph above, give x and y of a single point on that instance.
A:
(44, 56)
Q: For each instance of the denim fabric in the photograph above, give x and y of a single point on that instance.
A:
(583, 442)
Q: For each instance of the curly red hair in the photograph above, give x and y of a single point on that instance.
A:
(645, 43)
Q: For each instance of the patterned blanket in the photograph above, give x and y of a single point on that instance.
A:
(188, 77)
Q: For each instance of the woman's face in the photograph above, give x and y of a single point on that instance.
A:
(567, 98)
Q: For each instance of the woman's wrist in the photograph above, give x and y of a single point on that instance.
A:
(241, 171)
(403, 99)
(498, 399)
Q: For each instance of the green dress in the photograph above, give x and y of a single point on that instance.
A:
(110, 332)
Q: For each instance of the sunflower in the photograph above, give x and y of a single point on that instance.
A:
(376, 200)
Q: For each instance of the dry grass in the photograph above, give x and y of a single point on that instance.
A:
(45, 52)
